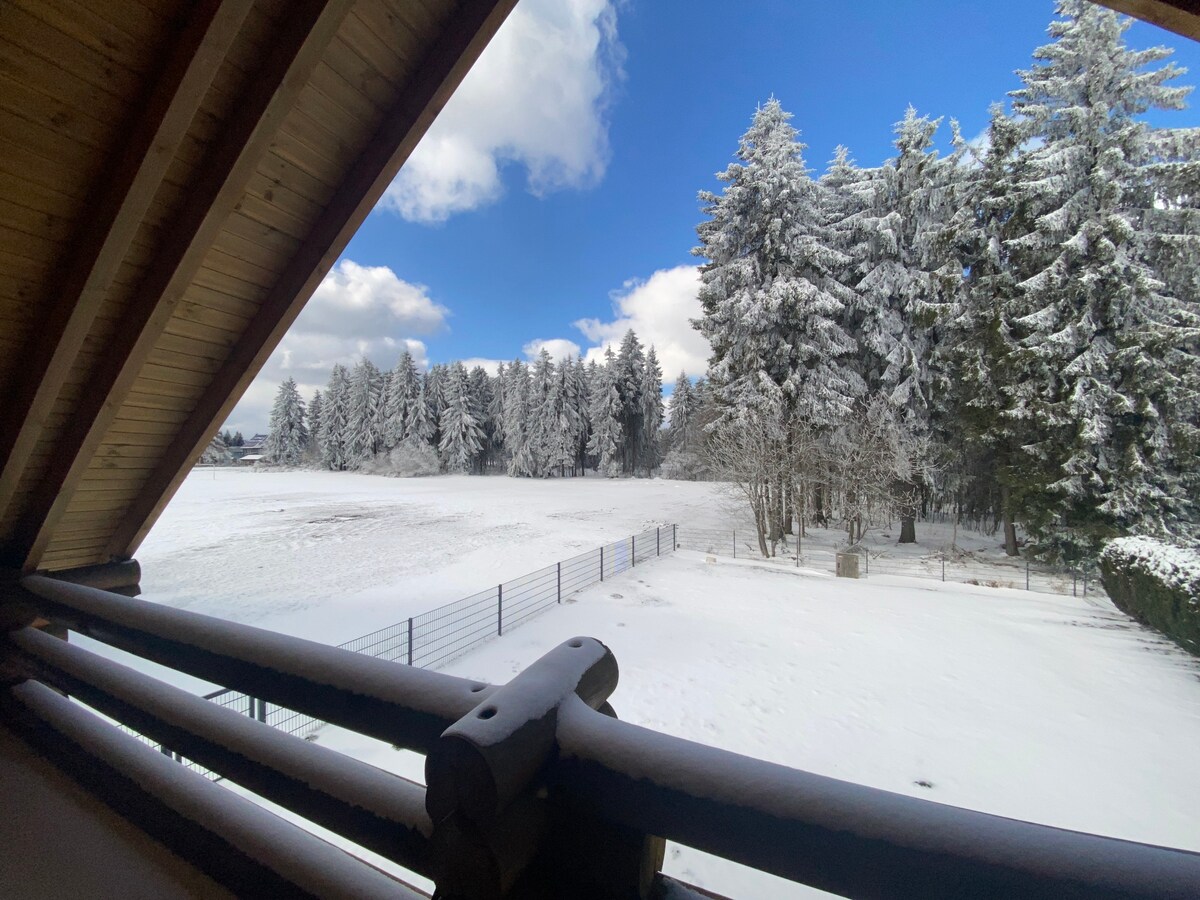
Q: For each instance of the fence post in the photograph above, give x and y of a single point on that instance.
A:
(632, 550)
(262, 711)
(735, 543)
(1074, 582)
(674, 536)
(658, 541)
(943, 555)
(1026, 573)
(559, 582)
(410, 647)
(1085, 581)
(601, 563)
(252, 711)
(499, 609)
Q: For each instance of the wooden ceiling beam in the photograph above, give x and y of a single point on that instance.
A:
(1179, 16)
(437, 76)
(305, 31)
(114, 214)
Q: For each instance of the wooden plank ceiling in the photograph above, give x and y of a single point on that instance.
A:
(176, 177)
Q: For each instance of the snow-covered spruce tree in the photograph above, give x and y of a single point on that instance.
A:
(496, 416)
(899, 296)
(772, 305)
(316, 411)
(287, 435)
(480, 387)
(335, 417)
(988, 472)
(607, 415)
(629, 375)
(362, 429)
(578, 396)
(1100, 341)
(435, 383)
(517, 422)
(418, 426)
(652, 411)
(682, 423)
(462, 436)
(402, 387)
(217, 452)
(542, 434)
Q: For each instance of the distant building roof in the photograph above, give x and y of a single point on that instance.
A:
(253, 457)
(256, 442)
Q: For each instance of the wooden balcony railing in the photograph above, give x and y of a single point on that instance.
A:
(535, 789)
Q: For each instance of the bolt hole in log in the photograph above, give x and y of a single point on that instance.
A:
(487, 713)
(478, 688)
(575, 643)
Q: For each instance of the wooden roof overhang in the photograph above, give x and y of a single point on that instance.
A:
(1180, 16)
(176, 177)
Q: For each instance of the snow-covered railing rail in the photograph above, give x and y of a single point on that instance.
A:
(534, 787)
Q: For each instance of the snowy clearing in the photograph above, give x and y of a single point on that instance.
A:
(1054, 709)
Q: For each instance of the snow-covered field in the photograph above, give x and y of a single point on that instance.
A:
(1054, 709)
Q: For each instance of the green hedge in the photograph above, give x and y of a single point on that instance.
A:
(1156, 583)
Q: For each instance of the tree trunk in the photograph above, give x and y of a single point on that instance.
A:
(1010, 536)
(908, 528)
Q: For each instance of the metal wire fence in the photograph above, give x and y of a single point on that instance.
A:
(1019, 573)
(434, 638)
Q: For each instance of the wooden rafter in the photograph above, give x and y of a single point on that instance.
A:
(126, 192)
(1179, 16)
(295, 50)
(437, 76)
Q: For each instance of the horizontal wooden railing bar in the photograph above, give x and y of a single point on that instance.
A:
(535, 789)
(407, 707)
(373, 808)
(840, 837)
(241, 845)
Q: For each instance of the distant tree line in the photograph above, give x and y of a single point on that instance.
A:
(531, 419)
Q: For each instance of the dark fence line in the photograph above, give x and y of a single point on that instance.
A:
(962, 568)
(433, 638)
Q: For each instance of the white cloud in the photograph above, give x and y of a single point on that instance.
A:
(659, 309)
(558, 348)
(491, 366)
(357, 311)
(537, 97)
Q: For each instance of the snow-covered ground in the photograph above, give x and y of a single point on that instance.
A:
(1054, 709)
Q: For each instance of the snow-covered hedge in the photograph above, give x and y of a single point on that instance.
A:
(410, 459)
(1156, 583)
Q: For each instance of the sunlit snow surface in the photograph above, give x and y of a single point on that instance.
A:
(1054, 709)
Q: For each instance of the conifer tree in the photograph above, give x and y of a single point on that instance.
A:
(335, 417)
(652, 410)
(316, 408)
(517, 423)
(1098, 336)
(462, 436)
(363, 439)
(607, 417)
(287, 434)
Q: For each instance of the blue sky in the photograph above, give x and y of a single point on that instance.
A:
(555, 198)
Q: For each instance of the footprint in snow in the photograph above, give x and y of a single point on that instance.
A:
(617, 596)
